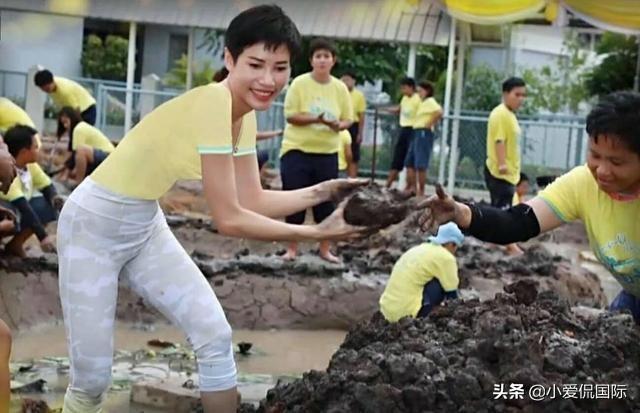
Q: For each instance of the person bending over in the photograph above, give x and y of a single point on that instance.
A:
(424, 276)
(604, 194)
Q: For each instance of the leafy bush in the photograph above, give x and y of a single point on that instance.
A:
(105, 59)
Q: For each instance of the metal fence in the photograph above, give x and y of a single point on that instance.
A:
(13, 85)
(549, 144)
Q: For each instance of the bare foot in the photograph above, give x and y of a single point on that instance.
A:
(291, 254)
(329, 257)
(514, 250)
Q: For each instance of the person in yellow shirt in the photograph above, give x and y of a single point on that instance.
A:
(423, 276)
(502, 169)
(317, 107)
(417, 161)
(604, 194)
(12, 115)
(34, 212)
(407, 109)
(66, 92)
(345, 156)
(359, 103)
(112, 226)
(88, 146)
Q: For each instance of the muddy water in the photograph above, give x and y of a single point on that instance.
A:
(275, 353)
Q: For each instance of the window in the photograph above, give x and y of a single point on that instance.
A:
(178, 45)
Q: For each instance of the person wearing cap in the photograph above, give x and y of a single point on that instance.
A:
(424, 276)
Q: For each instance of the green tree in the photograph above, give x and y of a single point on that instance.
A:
(482, 88)
(177, 76)
(105, 59)
(617, 69)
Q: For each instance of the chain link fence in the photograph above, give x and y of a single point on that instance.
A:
(550, 144)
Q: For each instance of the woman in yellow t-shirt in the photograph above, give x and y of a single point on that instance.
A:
(317, 107)
(604, 194)
(112, 225)
(87, 144)
(417, 161)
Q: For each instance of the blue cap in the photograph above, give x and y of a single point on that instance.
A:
(447, 233)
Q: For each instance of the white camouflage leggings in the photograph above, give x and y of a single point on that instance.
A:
(101, 236)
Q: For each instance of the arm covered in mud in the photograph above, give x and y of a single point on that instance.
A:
(487, 223)
(279, 204)
(233, 218)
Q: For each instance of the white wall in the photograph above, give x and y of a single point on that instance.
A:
(156, 49)
(27, 39)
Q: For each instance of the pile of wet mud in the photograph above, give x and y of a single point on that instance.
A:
(376, 207)
(471, 356)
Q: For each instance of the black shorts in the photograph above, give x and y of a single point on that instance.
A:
(263, 157)
(300, 170)
(41, 207)
(98, 156)
(402, 147)
(501, 191)
(355, 146)
(89, 115)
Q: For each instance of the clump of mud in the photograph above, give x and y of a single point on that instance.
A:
(453, 360)
(376, 207)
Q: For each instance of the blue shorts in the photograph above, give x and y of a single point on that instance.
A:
(263, 157)
(626, 301)
(420, 149)
(432, 295)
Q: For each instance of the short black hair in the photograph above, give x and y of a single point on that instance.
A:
(408, 81)
(351, 74)
(19, 137)
(617, 114)
(320, 43)
(43, 78)
(512, 83)
(523, 178)
(428, 86)
(220, 75)
(266, 24)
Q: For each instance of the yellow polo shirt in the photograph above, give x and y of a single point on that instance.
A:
(70, 93)
(426, 111)
(345, 139)
(305, 95)
(166, 145)
(12, 115)
(85, 134)
(408, 110)
(503, 127)
(613, 227)
(359, 103)
(35, 178)
(403, 294)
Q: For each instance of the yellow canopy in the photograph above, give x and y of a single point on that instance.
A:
(615, 15)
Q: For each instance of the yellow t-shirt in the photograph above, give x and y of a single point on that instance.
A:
(403, 294)
(25, 182)
(613, 227)
(427, 109)
(359, 104)
(345, 139)
(503, 127)
(70, 93)
(305, 95)
(167, 143)
(408, 110)
(12, 115)
(85, 134)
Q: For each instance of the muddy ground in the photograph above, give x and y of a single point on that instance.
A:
(452, 361)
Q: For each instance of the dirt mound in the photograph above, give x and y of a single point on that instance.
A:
(457, 359)
(376, 207)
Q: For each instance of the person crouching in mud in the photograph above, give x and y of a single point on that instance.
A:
(604, 194)
(112, 226)
(424, 276)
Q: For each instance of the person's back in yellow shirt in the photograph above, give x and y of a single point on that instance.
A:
(85, 134)
(418, 267)
(66, 92)
(12, 115)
